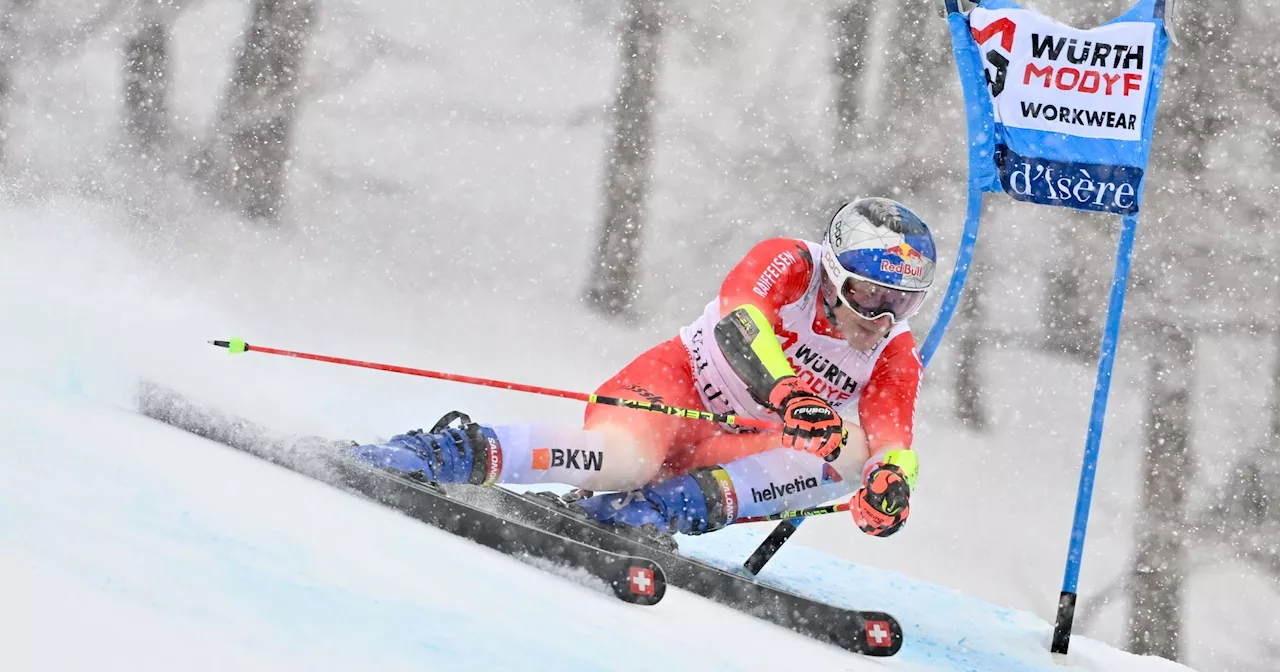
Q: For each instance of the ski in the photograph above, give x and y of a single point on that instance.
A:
(632, 577)
(872, 633)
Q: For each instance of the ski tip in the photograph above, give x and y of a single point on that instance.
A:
(644, 583)
(879, 635)
(235, 346)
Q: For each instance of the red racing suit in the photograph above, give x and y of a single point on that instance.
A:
(779, 277)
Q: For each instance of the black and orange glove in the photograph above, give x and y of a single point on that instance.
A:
(882, 504)
(809, 423)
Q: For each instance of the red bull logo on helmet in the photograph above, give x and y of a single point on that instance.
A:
(910, 262)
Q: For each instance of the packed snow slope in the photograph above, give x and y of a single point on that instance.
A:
(128, 545)
(444, 200)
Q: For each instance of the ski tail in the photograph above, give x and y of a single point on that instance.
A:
(630, 577)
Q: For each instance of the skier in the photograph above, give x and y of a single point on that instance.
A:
(788, 337)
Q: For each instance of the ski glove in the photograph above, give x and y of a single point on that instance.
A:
(809, 423)
(882, 504)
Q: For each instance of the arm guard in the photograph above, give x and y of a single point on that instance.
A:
(747, 340)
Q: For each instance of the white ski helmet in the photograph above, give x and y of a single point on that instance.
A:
(878, 259)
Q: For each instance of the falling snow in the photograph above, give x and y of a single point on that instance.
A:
(482, 187)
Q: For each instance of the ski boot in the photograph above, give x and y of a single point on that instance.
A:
(565, 500)
(468, 453)
(693, 503)
(647, 534)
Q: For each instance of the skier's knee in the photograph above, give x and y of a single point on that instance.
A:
(629, 461)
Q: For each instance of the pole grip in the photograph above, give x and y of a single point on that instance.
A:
(797, 513)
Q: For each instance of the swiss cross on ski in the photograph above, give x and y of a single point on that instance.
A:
(641, 580)
(878, 633)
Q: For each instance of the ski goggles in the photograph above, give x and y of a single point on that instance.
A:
(871, 301)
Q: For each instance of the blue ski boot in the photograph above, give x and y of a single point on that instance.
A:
(469, 453)
(700, 501)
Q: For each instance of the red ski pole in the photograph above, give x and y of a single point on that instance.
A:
(236, 345)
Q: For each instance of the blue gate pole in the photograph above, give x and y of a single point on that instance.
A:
(972, 219)
(1101, 388)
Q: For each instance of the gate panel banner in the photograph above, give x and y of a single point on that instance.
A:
(1057, 115)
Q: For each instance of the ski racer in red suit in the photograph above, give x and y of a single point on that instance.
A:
(800, 332)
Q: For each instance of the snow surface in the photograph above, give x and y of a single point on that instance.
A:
(443, 208)
(128, 545)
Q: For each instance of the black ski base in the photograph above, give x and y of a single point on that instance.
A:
(533, 525)
(632, 578)
(872, 633)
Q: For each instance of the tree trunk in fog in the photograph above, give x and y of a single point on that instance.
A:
(1159, 564)
(611, 289)
(1072, 306)
(1263, 497)
(918, 58)
(921, 52)
(969, 408)
(252, 142)
(146, 78)
(12, 14)
(1068, 313)
(1274, 436)
(6, 89)
(878, 136)
(1244, 514)
(851, 26)
(1193, 114)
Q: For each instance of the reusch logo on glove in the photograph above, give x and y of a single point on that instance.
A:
(813, 413)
